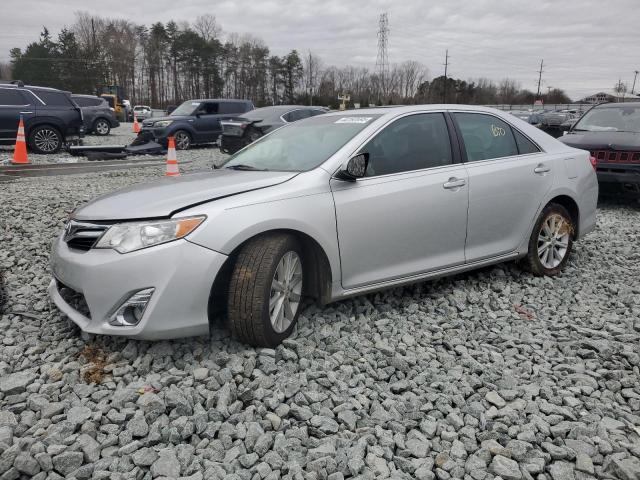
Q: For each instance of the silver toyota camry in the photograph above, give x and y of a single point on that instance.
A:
(329, 207)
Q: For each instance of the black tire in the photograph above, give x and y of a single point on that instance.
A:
(249, 318)
(533, 260)
(187, 139)
(45, 139)
(101, 127)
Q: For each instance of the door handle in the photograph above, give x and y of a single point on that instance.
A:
(541, 168)
(454, 183)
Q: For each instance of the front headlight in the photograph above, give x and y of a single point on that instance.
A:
(128, 237)
(163, 123)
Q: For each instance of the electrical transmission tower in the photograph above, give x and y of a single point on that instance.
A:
(382, 62)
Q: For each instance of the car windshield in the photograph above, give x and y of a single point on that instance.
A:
(610, 119)
(301, 145)
(187, 108)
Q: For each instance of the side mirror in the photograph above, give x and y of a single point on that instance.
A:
(356, 168)
(565, 127)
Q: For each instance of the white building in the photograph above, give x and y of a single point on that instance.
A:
(610, 96)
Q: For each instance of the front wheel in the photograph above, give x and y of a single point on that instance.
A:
(551, 241)
(45, 139)
(182, 139)
(265, 290)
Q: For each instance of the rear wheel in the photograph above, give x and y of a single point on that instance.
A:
(101, 127)
(182, 139)
(45, 139)
(265, 291)
(551, 241)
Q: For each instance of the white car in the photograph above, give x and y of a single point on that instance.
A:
(142, 112)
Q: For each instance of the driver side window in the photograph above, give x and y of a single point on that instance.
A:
(411, 143)
(208, 108)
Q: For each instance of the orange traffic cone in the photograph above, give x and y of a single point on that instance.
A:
(136, 125)
(20, 151)
(172, 160)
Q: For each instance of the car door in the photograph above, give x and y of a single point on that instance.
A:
(207, 122)
(508, 177)
(408, 215)
(14, 103)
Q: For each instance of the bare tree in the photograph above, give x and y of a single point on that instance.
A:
(207, 27)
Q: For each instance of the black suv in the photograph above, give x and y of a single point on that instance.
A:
(51, 118)
(611, 132)
(98, 116)
(195, 121)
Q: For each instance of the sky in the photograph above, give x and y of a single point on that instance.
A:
(587, 45)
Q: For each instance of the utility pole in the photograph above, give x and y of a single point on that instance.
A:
(634, 82)
(310, 82)
(540, 78)
(446, 66)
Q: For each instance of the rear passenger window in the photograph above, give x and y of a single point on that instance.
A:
(485, 136)
(232, 107)
(10, 96)
(525, 145)
(55, 99)
(82, 102)
(296, 115)
(410, 143)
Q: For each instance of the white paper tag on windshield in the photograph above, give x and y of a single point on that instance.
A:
(353, 120)
(195, 104)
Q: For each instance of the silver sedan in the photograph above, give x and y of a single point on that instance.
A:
(336, 205)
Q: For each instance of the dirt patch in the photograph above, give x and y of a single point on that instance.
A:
(93, 372)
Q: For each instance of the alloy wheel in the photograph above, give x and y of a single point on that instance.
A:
(182, 141)
(286, 291)
(46, 140)
(553, 240)
(102, 127)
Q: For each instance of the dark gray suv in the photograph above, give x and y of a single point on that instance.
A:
(51, 118)
(193, 122)
(98, 116)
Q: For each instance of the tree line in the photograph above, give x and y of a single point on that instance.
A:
(165, 64)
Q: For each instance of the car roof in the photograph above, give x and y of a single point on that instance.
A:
(618, 105)
(30, 87)
(82, 95)
(218, 100)
(395, 110)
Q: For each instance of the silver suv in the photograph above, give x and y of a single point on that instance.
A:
(328, 207)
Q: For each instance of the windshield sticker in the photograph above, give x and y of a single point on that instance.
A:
(195, 104)
(497, 131)
(353, 120)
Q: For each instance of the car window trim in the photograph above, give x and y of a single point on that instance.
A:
(23, 97)
(291, 111)
(378, 130)
(520, 154)
(454, 160)
(463, 149)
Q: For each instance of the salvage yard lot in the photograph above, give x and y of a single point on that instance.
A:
(491, 373)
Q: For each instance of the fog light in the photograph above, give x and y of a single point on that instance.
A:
(131, 311)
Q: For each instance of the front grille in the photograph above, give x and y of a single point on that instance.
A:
(608, 156)
(74, 299)
(83, 236)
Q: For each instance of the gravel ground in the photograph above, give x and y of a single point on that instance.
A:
(492, 374)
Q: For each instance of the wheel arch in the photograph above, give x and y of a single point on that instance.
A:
(572, 207)
(315, 260)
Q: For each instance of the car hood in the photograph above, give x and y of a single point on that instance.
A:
(625, 141)
(151, 120)
(165, 197)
